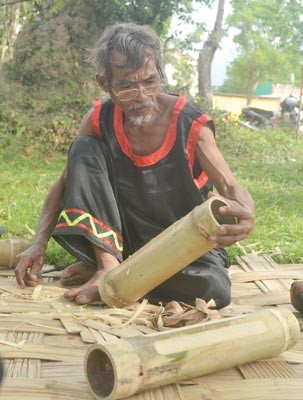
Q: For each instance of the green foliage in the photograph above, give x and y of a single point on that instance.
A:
(51, 47)
(270, 165)
(46, 120)
(269, 37)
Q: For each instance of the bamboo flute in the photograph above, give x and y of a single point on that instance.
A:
(165, 255)
(120, 369)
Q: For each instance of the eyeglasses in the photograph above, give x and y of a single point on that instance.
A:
(131, 94)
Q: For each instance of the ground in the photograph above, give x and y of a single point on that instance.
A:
(44, 339)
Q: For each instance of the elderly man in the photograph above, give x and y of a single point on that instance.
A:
(142, 160)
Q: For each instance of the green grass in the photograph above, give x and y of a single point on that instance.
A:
(269, 164)
(25, 179)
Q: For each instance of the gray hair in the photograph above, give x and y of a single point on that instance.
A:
(134, 42)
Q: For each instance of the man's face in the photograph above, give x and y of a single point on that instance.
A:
(136, 91)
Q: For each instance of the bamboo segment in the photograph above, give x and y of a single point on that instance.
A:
(165, 255)
(9, 249)
(122, 368)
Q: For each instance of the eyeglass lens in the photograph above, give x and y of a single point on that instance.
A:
(131, 94)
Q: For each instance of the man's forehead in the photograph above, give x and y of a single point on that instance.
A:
(119, 62)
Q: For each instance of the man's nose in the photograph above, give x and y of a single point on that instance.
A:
(141, 92)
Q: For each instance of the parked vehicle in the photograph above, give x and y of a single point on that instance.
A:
(256, 118)
(259, 119)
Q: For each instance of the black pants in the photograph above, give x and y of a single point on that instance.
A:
(93, 214)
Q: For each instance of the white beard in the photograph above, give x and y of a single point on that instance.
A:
(142, 119)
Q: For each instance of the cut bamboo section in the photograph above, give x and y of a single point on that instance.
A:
(165, 255)
(120, 369)
(9, 249)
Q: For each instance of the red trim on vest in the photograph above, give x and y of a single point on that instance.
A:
(145, 161)
(191, 145)
(95, 117)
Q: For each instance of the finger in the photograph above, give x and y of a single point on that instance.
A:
(244, 228)
(210, 194)
(225, 241)
(21, 270)
(34, 272)
(236, 211)
(30, 282)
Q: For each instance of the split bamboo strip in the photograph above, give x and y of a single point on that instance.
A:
(165, 255)
(86, 336)
(120, 369)
(264, 299)
(9, 249)
(268, 369)
(63, 372)
(41, 352)
(247, 389)
(257, 263)
(243, 277)
(13, 389)
(23, 326)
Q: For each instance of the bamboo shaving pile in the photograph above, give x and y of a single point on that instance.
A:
(177, 314)
(38, 293)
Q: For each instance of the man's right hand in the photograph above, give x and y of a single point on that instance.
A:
(29, 263)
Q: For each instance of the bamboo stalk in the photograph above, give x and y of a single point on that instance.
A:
(122, 368)
(165, 255)
(9, 249)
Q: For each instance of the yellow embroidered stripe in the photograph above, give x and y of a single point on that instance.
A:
(92, 228)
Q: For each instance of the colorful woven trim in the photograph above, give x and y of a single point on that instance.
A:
(73, 217)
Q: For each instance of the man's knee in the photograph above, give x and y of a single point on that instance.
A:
(84, 145)
(221, 294)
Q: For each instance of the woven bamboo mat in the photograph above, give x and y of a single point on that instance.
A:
(43, 340)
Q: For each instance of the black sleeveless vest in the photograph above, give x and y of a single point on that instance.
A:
(156, 190)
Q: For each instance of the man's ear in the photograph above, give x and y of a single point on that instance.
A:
(102, 82)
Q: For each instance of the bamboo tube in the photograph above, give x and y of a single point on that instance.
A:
(165, 255)
(9, 249)
(120, 369)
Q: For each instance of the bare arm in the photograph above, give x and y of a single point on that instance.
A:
(241, 202)
(31, 260)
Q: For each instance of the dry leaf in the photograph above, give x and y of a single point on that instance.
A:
(177, 314)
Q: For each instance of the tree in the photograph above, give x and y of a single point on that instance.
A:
(52, 44)
(10, 17)
(269, 39)
(206, 57)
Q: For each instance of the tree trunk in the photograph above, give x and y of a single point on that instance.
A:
(206, 57)
(120, 369)
(11, 17)
(252, 84)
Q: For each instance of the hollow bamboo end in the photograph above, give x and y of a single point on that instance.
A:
(108, 295)
(215, 204)
(207, 218)
(290, 325)
(112, 372)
